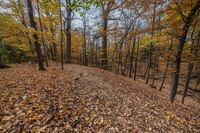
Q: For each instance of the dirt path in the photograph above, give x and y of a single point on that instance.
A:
(82, 99)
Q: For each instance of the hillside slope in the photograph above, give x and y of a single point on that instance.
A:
(86, 99)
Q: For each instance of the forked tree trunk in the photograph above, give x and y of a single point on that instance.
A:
(190, 65)
(182, 39)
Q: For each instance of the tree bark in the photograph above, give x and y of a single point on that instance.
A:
(198, 81)
(187, 82)
(180, 46)
(41, 29)
(198, 72)
(61, 36)
(68, 31)
(136, 60)
(104, 44)
(166, 68)
(149, 65)
(53, 43)
(151, 44)
(35, 37)
(96, 55)
(190, 65)
(154, 71)
(23, 21)
(125, 63)
(131, 58)
(84, 42)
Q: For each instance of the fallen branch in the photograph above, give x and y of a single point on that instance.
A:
(76, 122)
(53, 109)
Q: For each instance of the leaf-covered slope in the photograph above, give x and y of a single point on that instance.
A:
(85, 99)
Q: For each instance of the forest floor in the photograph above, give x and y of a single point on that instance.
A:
(83, 99)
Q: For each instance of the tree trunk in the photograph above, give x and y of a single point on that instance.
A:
(151, 44)
(104, 44)
(41, 29)
(149, 65)
(35, 37)
(198, 70)
(175, 74)
(166, 68)
(190, 65)
(125, 63)
(96, 55)
(92, 52)
(113, 55)
(53, 43)
(190, 68)
(68, 32)
(154, 71)
(23, 21)
(198, 81)
(119, 59)
(131, 58)
(136, 60)
(164, 76)
(61, 36)
(145, 74)
(84, 42)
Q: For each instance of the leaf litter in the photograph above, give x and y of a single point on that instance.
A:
(83, 99)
